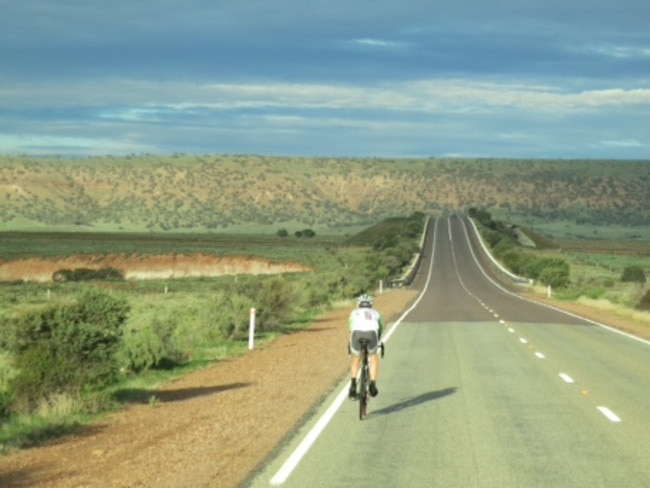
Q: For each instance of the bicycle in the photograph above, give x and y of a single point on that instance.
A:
(364, 378)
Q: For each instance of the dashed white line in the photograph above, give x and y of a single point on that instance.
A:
(609, 414)
(566, 378)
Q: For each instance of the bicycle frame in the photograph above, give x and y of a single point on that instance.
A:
(364, 377)
(364, 380)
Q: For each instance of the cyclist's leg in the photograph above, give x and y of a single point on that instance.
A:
(374, 366)
(373, 360)
(355, 359)
(373, 348)
(354, 366)
(355, 353)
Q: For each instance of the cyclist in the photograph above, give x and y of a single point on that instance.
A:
(364, 322)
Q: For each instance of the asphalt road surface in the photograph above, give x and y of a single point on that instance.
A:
(482, 388)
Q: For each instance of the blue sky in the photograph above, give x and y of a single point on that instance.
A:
(467, 78)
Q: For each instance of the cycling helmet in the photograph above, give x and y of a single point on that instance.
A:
(364, 300)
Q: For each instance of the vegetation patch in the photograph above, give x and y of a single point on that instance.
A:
(80, 346)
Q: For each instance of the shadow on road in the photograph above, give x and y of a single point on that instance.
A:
(418, 400)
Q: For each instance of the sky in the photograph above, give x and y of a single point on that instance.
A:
(326, 78)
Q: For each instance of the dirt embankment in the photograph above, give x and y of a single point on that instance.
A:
(168, 266)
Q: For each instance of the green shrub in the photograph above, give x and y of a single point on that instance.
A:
(535, 267)
(556, 276)
(492, 237)
(154, 345)
(276, 300)
(67, 348)
(521, 263)
(166, 329)
(644, 303)
(6, 401)
(316, 291)
(512, 259)
(634, 274)
(141, 349)
(229, 314)
(502, 245)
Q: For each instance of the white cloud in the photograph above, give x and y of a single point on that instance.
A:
(372, 42)
(633, 144)
(379, 43)
(47, 145)
(429, 95)
(622, 52)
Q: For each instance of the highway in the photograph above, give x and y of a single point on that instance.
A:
(482, 388)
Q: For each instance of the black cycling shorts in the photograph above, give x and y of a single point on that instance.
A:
(371, 335)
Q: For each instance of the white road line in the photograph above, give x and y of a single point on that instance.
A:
(523, 341)
(566, 378)
(540, 355)
(511, 330)
(609, 414)
(292, 461)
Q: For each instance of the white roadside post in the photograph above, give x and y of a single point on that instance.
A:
(251, 330)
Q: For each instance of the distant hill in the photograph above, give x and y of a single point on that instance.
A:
(214, 192)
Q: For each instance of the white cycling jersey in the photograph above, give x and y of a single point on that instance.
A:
(365, 319)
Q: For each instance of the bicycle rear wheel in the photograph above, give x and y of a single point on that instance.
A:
(363, 392)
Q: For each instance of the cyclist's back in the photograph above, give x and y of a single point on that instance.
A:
(365, 323)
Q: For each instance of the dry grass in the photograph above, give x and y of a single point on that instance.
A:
(625, 312)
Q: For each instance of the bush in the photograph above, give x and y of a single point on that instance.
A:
(556, 276)
(633, 274)
(67, 348)
(501, 245)
(275, 301)
(229, 314)
(316, 291)
(644, 303)
(5, 405)
(141, 350)
(87, 274)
